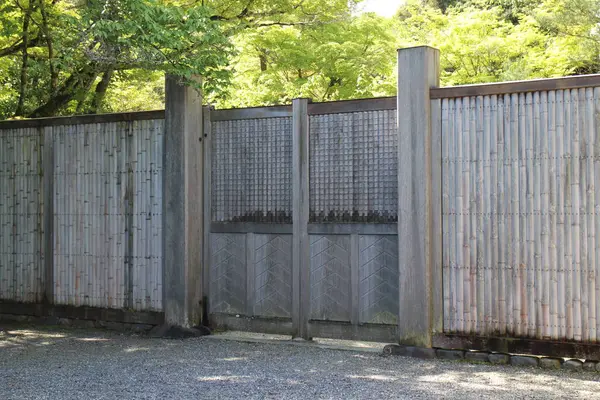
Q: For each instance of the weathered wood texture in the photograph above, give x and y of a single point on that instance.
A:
(520, 212)
(263, 263)
(82, 119)
(182, 207)
(301, 306)
(501, 88)
(418, 71)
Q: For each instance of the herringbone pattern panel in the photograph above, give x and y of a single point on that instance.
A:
(273, 272)
(330, 277)
(228, 273)
(378, 277)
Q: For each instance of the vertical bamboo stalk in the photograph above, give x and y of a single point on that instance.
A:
(485, 221)
(553, 195)
(513, 244)
(568, 129)
(104, 229)
(475, 188)
(479, 204)
(582, 214)
(67, 217)
(583, 238)
(528, 270)
(19, 216)
(454, 187)
(590, 214)
(4, 231)
(560, 217)
(494, 169)
(447, 212)
(57, 218)
(535, 318)
(575, 208)
(504, 308)
(460, 231)
(546, 214)
(467, 168)
(79, 266)
(596, 189)
(136, 252)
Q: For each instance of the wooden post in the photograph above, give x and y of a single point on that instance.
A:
(418, 157)
(182, 204)
(301, 247)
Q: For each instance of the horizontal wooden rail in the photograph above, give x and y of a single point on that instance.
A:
(487, 89)
(251, 113)
(82, 312)
(82, 119)
(348, 106)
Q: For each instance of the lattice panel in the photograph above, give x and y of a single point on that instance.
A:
(354, 167)
(228, 273)
(330, 277)
(378, 279)
(273, 271)
(252, 170)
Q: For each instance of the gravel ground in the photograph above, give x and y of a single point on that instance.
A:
(50, 363)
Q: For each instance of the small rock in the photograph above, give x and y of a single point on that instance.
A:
(477, 356)
(573, 365)
(498, 358)
(524, 361)
(393, 350)
(177, 332)
(64, 321)
(589, 365)
(423, 353)
(409, 351)
(450, 354)
(550, 363)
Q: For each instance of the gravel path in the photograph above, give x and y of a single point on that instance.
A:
(74, 364)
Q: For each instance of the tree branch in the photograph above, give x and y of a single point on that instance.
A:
(18, 46)
(65, 93)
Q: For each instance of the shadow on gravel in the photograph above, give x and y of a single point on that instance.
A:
(83, 363)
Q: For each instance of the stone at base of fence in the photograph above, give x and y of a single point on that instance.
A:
(492, 358)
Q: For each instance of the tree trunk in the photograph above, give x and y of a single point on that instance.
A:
(49, 44)
(23, 84)
(68, 91)
(100, 93)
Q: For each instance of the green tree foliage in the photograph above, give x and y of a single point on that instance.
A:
(67, 56)
(324, 62)
(60, 57)
(479, 45)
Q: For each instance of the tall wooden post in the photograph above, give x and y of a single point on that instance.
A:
(300, 247)
(182, 205)
(419, 158)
